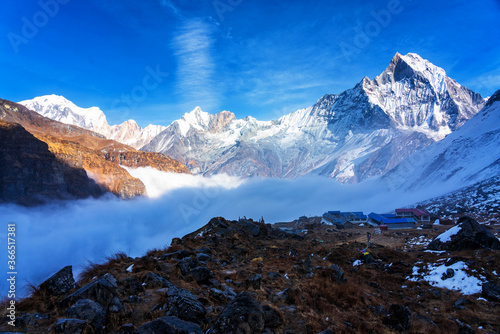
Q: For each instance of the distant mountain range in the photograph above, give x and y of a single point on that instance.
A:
(62, 110)
(42, 159)
(363, 132)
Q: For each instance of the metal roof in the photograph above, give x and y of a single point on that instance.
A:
(376, 217)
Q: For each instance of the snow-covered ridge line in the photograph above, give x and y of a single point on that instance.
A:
(362, 132)
(60, 109)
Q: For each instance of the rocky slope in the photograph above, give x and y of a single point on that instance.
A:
(245, 276)
(60, 109)
(480, 200)
(99, 157)
(31, 173)
(362, 132)
(466, 156)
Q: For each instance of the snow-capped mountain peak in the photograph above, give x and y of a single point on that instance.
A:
(200, 120)
(197, 119)
(418, 95)
(361, 132)
(404, 67)
(59, 108)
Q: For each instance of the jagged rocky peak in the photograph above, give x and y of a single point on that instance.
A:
(413, 66)
(494, 98)
(220, 120)
(203, 121)
(417, 94)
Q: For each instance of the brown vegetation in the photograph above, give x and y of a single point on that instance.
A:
(312, 302)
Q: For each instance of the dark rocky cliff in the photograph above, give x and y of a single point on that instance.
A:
(30, 173)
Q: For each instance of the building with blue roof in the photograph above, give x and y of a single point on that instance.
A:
(391, 221)
(340, 218)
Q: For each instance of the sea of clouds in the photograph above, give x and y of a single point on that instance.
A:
(55, 235)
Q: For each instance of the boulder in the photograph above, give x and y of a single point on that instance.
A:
(449, 273)
(131, 285)
(216, 294)
(205, 250)
(169, 325)
(467, 234)
(72, 326)
(272, 275)
(203, 257)
(241, 315)
(248, 227)
(86, 309)
(186, 264)
(180, 254)
(334, 273)
(254, 281)
(460, 304)
(201, 274)
(491, 291)
(60, 283)
(184, 305)
(229, 292)
(103, 291)
(153, 280)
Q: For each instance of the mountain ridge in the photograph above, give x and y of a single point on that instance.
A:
(411, 104)
(87, 151)
(464, 157)
(61, 109)
(362, 132)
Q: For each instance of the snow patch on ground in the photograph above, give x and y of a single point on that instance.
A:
(417, 242)
(461, 281)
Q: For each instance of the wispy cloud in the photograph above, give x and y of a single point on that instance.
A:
(193, 47)
(170, 4)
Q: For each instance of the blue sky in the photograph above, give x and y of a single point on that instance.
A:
(154, 60)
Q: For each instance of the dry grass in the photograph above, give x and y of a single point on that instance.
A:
(314, 303)
(91, 269)
(39, 300)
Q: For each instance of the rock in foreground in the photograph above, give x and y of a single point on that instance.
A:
(467, 234)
